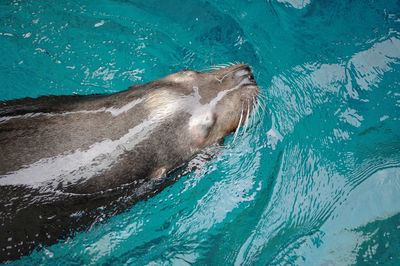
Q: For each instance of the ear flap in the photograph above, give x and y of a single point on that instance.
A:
(200, 126)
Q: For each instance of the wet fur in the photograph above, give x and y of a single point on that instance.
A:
(33, 130)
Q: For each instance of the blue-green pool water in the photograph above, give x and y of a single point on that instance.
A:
(317, 182)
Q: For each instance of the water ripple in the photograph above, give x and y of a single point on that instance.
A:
(315, 181)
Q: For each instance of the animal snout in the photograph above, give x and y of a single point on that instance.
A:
(244, 73)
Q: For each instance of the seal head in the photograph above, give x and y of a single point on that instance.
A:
(216, 101)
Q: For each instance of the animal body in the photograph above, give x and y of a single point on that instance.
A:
(69, 161)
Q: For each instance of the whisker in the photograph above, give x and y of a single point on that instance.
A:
(247, 118)
(261, 104)
(223, 77)
(255, 114)
(256, 107)
(263, 100)
(238, 126)
(253, 109)
(261, 110)
(225, 65)
(258, 76)
(206, 69)
(261, 95)
(218, 66)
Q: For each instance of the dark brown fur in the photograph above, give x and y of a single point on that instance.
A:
(36, 209)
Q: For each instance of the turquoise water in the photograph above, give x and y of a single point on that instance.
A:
(317, 182)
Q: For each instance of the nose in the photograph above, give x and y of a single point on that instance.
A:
(243, 72)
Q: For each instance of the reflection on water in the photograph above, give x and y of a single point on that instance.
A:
(316, 182)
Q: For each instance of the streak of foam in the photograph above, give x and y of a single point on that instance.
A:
(298, 4)
(370, 65)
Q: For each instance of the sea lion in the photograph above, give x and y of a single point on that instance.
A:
(69, 161)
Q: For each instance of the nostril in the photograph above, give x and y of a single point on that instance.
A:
(244, 74)
(250, 76)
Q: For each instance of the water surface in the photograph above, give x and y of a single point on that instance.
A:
(316, 182)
